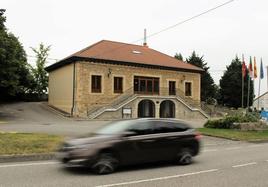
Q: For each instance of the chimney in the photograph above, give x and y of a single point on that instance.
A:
(144, 39)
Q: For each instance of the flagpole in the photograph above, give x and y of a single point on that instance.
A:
(267, 77)
(248, 91)
(249, 79)
(258, 105)
(242, 102)
(259, 93)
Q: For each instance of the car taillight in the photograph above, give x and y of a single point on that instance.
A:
(198, 136)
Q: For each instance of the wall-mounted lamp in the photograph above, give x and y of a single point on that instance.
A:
(109, 72)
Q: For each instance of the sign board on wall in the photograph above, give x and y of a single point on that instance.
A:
(127, 111)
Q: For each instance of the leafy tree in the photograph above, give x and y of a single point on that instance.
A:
(179, 56)
(39, 72)
(231, 86)
(2, 19)
(208, 87)
(15, 77)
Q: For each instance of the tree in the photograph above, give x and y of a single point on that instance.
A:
(2, 19)
(179, 56)
(231, 86)
(208, 87)
(39, 72)
(15, 77)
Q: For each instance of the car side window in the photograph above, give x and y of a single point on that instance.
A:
(167, 127)
(141, 128)
(160, 127)
(178, 127)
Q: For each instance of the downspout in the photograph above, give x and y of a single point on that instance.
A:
(73, 105)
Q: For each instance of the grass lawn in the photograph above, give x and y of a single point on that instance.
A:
(27, 143)
(236, 134)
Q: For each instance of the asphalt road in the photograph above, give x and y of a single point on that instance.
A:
(38, 117)
(221, 164)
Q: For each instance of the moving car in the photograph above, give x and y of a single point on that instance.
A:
(131, 142)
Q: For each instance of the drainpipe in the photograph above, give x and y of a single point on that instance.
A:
(73, 106)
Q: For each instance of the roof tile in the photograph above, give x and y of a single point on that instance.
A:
(123, 52)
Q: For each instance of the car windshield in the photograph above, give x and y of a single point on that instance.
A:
(114, 127)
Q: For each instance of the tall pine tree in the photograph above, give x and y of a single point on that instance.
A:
(231, 86)
(179, 56)
(208, 87)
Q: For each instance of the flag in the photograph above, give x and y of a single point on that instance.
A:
(250, 69)
(261, 71)
(244, 67)
(255, 68)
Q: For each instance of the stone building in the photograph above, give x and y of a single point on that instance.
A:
(113, 80)
(261, 102)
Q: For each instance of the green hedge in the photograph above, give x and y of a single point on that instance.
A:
(228, 121)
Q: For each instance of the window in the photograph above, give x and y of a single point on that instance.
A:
(172, 87)
(146, 85)
(96, 84)
(168, 127)
(118, 85)
(143, 128)
(188, 89)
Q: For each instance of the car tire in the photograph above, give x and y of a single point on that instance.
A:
(106, 163)
(184, 157)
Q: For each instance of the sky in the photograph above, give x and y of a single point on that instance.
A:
(238, 28)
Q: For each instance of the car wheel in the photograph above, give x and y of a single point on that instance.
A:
(105, 164)
(184, 157)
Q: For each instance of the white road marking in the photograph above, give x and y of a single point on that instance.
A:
(210, 150)
(233, 148)
(159, 178)
(27, 164)
(242, 165)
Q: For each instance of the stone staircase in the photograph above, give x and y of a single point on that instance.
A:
(114, 105)
(129, 96)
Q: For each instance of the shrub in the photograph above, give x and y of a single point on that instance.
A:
(211, 101)
(252, 117)
(228, 121)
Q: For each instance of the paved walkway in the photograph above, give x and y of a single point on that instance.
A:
(38, 117)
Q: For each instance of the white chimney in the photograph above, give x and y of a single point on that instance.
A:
(145, 39)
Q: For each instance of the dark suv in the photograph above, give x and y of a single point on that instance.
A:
(132, 142)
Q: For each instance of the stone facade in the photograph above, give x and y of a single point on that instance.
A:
(182, 111)
(85, 101)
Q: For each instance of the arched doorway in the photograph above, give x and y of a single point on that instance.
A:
(146, 109)
(167, 109)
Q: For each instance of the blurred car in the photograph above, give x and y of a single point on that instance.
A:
(131, 142)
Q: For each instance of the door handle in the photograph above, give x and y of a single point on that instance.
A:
(148, 140)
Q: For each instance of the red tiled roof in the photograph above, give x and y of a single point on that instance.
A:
(123, 52)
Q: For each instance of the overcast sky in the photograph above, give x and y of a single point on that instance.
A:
(68, 26)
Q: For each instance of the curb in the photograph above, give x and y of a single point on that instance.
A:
(30, 157)
(215, 136)
(56, 110)
(258, 141)
(233, 139)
